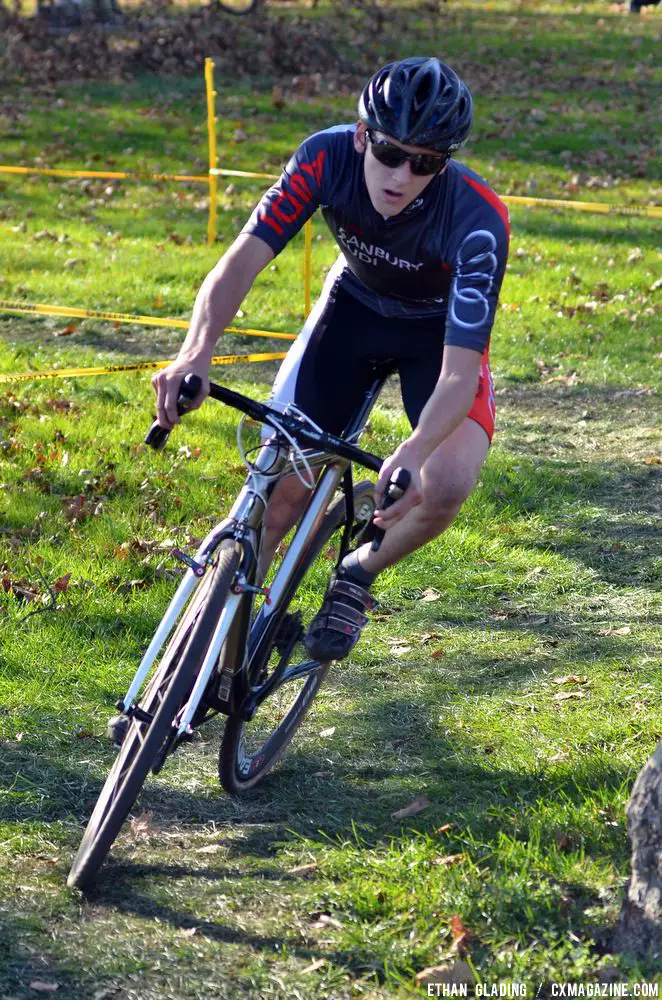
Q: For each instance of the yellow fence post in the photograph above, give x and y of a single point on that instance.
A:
(308, 232)
(211, 129)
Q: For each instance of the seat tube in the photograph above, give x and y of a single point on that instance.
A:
(308, 526)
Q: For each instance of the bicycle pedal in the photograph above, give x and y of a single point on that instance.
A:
(117, 728)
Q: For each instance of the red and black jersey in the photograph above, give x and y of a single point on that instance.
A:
(444, 255)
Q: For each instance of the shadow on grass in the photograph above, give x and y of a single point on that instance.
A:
(20, 966)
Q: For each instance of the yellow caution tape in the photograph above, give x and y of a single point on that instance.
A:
(649, 211)
(226, 172)
(110, 175)
(138, 366)
(211, 137)
(72, 312)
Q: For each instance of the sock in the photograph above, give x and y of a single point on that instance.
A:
(351, 569)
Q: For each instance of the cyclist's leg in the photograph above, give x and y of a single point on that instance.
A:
(324, 375)
(448, 476)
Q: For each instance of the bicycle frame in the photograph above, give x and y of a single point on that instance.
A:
(243, 525)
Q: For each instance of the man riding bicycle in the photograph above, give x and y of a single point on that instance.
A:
(424, 244)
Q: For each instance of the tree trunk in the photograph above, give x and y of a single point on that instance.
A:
(639, 928)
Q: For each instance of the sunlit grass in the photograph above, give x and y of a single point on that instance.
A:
(547, 585)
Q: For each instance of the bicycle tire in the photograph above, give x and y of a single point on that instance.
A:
(239, 770)
(143, 741)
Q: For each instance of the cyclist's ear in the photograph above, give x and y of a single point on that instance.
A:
(360, 137)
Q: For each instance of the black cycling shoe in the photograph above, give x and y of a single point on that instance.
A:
(337, 626)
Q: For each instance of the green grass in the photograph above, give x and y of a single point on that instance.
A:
(551, 572)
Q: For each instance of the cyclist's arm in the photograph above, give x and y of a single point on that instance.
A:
(217, 301)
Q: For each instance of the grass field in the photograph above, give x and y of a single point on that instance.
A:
(512, 673)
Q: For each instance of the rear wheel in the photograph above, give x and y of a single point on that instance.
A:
(145, 737)
(249, 749)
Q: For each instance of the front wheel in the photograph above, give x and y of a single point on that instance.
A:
(149, 729)
(249, 749)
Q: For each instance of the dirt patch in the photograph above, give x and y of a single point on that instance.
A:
(597, 423)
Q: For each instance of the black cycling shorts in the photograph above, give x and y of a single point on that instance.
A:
(344, 344)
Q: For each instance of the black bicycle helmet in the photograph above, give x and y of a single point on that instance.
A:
(419, 102)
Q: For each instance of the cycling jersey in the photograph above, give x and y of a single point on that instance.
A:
(444, 255)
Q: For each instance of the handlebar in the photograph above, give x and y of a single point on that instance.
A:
(262, 412)
(294, 425)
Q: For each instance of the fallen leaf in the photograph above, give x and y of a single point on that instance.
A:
(67, 330)
(451, 974)
(62, 583)
(303, 869)
(571, 679)
(44, 987)
(328, 732)
(448, 860)
(443, 829)
(189, 931)
(324, 920)
(460, 934)
(429, 595)
(653, 460)
(563, 840)
(624, 630)
(277, 98)
(210, 849)
(566, 695)
(416, 805)
(399, 649)
(314, 966)
(140, 825)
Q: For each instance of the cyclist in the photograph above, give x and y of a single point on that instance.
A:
(424, 244)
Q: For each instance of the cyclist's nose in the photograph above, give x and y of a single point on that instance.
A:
(402, 173)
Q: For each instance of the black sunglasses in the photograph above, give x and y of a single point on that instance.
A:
(421, 164)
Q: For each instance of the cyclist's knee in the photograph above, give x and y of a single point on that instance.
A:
(442, 499)
(285, 505)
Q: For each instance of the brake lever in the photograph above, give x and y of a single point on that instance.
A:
(188, 390)
(395, 489)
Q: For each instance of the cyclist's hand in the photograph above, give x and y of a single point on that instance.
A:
(166, 386)
(403, 457)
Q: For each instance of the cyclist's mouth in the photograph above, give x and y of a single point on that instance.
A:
(392, 197)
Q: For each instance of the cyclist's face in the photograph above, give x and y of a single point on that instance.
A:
(391, 189)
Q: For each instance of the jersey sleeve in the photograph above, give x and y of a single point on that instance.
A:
(300, 190)
(478, 268)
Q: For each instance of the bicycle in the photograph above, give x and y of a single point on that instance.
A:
(233, 644)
